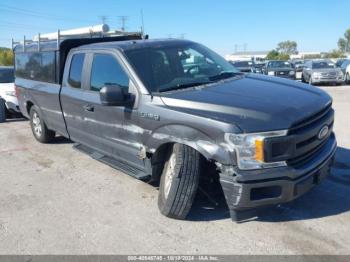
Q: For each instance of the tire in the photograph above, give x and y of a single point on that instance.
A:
(347, 78)
(302, 78)
(39, 129)
(2, 111)
(179, 181)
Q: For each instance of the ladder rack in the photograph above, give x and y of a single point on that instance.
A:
(59, 37)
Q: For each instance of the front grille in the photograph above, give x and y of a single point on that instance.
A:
(330, 74)
(305, 135)
(282, 73)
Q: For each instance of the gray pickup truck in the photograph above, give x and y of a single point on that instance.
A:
(164, 111)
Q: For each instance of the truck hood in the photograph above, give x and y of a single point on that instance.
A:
(254, 103)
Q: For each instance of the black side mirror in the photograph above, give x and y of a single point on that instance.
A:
(115, 95)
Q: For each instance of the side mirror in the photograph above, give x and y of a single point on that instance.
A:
(115, 95)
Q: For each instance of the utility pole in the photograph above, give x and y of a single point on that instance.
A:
(142, 23)
(123, 19)
(103, 19)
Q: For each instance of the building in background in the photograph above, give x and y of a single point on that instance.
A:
(260, 55)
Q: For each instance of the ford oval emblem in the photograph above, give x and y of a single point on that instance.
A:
(323, 132)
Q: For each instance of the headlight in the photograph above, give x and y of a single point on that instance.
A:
(316, 74)
(292, 73)
(10, 93)
(340, 73)
(271, 73)
(250, 149)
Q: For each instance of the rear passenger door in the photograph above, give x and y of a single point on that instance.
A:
(73, 97)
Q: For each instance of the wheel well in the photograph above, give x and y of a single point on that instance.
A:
(29, 106)
(159, 157)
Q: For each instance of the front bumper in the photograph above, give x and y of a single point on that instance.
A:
(247, 190)
(327, 80)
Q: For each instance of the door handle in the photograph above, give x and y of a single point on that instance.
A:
(89, 108)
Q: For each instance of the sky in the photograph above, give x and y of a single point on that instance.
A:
(222, 25)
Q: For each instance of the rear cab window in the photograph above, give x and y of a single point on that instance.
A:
(106, 70)
(76, 70)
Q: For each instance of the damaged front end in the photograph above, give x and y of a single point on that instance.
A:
(296, 162)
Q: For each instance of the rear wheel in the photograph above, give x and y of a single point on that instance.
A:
(2, 111)
(179, 181)
(39, 129)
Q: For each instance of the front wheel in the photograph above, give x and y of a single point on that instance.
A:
(39, 129)
(179, 181)
(347, 78)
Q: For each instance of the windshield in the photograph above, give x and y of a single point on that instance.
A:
(7, 75)
(277, 64)
(322, 64)
(178, 65)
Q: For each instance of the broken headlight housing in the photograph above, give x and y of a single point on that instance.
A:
(249, 149)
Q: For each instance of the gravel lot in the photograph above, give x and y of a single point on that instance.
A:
(55, 200)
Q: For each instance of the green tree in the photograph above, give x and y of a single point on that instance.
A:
(344, 42)
(334, 54)
(287, 47)
(6, 56)
(275, 55)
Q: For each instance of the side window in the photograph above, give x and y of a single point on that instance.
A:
(107, 71)
(39, 66)
(75, 71)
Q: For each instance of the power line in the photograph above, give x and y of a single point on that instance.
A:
(32, 13)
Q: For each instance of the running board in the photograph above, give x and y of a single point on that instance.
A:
(113, 162)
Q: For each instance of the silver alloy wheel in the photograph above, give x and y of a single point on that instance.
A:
(169, 174)
(37, 124)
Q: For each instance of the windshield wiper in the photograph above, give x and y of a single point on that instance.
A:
(224, 75)
(186, 85)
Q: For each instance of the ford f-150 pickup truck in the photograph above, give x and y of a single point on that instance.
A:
(161, 110)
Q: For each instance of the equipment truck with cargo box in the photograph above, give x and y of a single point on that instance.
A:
(164, 110)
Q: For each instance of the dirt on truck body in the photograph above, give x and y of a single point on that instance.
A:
(162, 110)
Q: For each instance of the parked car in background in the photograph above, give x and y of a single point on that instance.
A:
(298, 66)
(340, 62)
(8, 100)
(345, 68)
(322, 71)
(243, 66)
(258, 68)
(279, 68)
